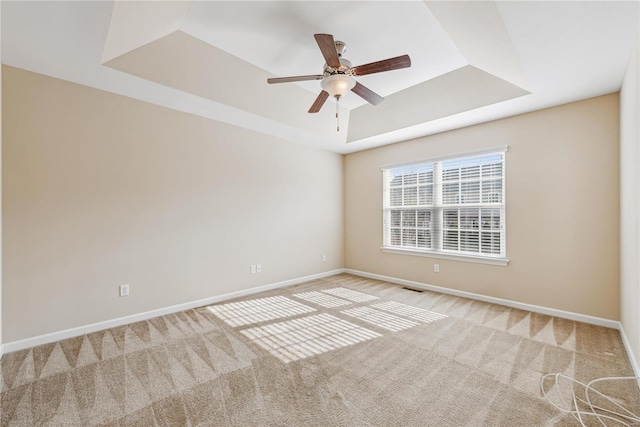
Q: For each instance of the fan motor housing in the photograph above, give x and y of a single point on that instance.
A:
(345, 66)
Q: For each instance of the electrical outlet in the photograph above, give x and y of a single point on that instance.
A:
(259, 268)
(436, 268)
(324, 257)
(124, 290)
(253, 269)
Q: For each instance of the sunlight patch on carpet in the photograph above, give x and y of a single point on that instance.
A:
(307, 336)
(409, 311)
(258, 310)
(380, 318)
(324, 300)
(354, 296)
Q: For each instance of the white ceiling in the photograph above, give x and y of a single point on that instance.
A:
(260, 38)
(471, 62)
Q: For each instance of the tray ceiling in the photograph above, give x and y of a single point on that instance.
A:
(471, 61)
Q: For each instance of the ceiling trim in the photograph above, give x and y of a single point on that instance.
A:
(134, 24)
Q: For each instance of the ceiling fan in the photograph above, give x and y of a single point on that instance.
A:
(338, 74)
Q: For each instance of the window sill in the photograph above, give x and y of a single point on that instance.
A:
(466, 258)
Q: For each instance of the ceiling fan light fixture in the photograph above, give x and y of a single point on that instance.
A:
(338, 85)
(337, 76)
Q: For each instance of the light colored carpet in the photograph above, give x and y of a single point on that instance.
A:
(340, 351)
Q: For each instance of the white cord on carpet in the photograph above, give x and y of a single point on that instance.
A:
(624, 417)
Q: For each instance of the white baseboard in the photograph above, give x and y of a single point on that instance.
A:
(614, 324)
(632, 356)
(94, 327)
(509, 303)
(99, 326)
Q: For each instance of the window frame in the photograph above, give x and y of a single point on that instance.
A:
(438, 208)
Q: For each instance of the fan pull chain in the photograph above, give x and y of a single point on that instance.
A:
(337, 117)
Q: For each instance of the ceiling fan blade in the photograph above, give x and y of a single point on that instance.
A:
(328, 48)
(319, 102)
(294, 79)
(367, 94)
(385, 65)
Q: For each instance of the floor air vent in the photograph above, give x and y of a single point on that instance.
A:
(414, 290)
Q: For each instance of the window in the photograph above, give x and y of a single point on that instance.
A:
(452, 206)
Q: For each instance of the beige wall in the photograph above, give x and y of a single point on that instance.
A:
(630, 203)
(101, 190)
(562, 192)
